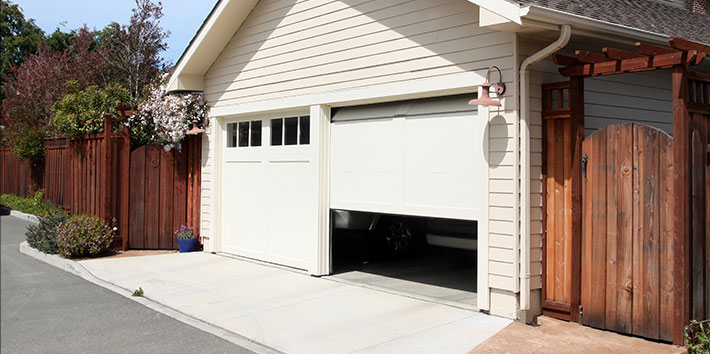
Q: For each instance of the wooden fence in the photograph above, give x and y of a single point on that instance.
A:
(19, 176)
(98, 175)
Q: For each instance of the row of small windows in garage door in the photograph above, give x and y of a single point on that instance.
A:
(284, 131)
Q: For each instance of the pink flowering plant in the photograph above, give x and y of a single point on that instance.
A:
(83, 235)
(185, 232)
(165, 118)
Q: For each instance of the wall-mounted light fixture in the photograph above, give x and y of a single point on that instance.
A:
(499, 89)
(195, 130)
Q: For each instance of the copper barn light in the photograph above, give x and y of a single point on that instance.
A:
(499, 89)
(195, 130)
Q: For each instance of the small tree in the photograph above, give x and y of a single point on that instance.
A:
(18, 38)
(133, 50)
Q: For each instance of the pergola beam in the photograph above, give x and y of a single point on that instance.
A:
(586, 56)
(618, 54)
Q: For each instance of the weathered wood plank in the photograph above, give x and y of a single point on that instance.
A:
(567, 216)
(576, 102)
(612, 198)
(650, 227)
(179, 196)
(596, 313)
(166, 199)
(152, 198)
(136, 238)
(624, 227)
(586, 271)
(666, 237)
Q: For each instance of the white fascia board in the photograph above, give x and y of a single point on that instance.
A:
(210, 40)
(504, 8)
(582, 24)
(411, 89)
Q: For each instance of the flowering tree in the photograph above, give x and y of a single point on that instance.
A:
(165, 118)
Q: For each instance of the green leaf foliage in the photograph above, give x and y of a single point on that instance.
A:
(43, 236)
(18, 37)
(697, 338)
(35, 205)
(29, 144)
(82, 111)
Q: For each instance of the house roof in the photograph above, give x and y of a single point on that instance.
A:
(648, 15)
(645, 15)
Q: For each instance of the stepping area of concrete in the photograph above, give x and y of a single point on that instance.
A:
(294, 312)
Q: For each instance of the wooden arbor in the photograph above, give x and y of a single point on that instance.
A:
(665, 284)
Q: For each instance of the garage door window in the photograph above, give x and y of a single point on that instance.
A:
(291, 131)
(244, 134)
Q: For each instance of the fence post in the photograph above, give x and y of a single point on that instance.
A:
(125, 183)
(106, 178)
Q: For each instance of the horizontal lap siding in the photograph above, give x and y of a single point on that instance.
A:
(317, 46)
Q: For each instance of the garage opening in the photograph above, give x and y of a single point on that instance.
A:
(406, 194)
(429, 258)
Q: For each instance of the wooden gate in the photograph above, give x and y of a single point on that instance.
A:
(627, 233)
(164, 193)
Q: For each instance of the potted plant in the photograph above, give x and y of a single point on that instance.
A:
(186, 238)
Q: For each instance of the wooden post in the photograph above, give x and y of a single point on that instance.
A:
(576, 103)
(681, 201)
(125, 182)
(106, 172)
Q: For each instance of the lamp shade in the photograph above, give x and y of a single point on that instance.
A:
(195, 130)
(485, 99)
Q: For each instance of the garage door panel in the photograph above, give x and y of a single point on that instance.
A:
(422, 163)
(242, 205)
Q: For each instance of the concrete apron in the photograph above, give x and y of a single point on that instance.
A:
(294, 312)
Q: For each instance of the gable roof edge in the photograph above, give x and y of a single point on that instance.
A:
(210, 39)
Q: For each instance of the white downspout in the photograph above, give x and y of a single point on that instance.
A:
(565, 33)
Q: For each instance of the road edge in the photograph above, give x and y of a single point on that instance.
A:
(77, 269)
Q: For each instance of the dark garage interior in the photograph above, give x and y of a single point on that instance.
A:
(428, 258)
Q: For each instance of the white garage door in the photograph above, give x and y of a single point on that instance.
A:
(420, 157)
(269, 194)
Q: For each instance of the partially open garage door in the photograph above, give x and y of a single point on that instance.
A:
(269, 190)
(421, 157)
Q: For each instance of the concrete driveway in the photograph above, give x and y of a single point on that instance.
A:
(294, 312)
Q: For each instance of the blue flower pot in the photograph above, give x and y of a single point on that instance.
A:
(187, 244)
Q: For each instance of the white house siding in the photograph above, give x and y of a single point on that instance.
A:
(315, 46)
(643, 97)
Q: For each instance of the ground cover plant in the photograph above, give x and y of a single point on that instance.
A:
(83, 235)
(35, 205)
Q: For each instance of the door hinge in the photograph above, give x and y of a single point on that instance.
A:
(585, 160)
(581, 313)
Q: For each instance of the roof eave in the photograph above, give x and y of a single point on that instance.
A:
(223, 21)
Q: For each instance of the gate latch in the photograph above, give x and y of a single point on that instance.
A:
(585, 159)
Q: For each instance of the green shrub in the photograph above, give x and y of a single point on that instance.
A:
(35, 204)
(82, 111)
(43, 237)
(83, 235)
(697, 338)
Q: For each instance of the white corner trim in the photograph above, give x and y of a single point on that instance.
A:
(321, 115)
(410, 89)
(504, 8)
(483, 289)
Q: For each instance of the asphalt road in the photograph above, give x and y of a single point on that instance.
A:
(47, 310)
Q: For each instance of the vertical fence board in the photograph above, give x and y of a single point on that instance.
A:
(152, 197)
(166, 184)
(612, 236)
(136, 237)
(666, 267)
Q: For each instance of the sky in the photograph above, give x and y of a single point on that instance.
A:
(181, 17)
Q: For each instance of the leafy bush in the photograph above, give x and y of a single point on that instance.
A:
(43, 237)
(697, 338)
(82, 111)
(83, 235)
(35, 204)
(29, 144)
